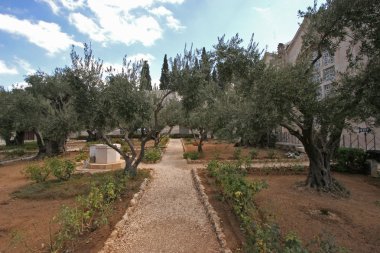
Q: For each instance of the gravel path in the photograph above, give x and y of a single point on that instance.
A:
(169, 217)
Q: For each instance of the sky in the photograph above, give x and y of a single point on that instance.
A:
(39, 34)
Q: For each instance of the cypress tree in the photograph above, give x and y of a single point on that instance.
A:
(164, 79)
(145, 79)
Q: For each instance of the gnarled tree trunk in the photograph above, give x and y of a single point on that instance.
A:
(20, 137)
(53, 147)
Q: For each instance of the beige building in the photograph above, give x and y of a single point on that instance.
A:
(326, 70)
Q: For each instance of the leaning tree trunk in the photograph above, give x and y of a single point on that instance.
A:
(40, 144)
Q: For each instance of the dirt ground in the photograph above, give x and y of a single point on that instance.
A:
(231, 225)
(354, 222)
(224, 151)
(25, 224)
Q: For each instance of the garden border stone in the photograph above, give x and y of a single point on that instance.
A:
(212, 215)
(131, 208)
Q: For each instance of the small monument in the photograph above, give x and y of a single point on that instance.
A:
(103, 157)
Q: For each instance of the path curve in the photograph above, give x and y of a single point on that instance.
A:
(169, 216)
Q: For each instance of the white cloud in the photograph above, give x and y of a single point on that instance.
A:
(72, 4)
(174, 23)
(126, 22)
(172, 1)
(25, 65)
(161, 11)
(87, 26)
(138, 57)
(54, 7)
(43, 34)
(4, 69)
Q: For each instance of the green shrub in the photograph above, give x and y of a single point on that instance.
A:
(30, 145)
(61, 169)
(152, 155)
(90, 211)
(298, 168)
(350, 160)
(272, 154)
(253, 153)
(191, 155)
(37, 173)
(237, 153)
(15, 153)
(260, 237)
(81, 156)
(164, 140)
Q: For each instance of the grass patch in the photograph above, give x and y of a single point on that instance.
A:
(79, 184)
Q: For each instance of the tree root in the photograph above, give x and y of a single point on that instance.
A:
(336, 189)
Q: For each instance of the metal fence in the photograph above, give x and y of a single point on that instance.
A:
(365, 141)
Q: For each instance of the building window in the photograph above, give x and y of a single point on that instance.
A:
(316, 77)
(327, 88)
(327, 58)
(329, 74)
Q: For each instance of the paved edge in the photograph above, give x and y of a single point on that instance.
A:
(212, 215)
(131, 208)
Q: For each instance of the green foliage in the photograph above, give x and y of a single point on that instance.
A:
(152, 155)
(90, 211)
(272, 154)
(297, 168)
(350, 160)
(15, 153)
(82, 156)
(145, 79)
(164, 140)
(37, 173)
(61, 169)
(165, 75)
(237, 153)
(191, 155)
(253, 153)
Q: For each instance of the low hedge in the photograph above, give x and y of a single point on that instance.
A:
(351, 160)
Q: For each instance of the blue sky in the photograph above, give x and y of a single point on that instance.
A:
(38, 34)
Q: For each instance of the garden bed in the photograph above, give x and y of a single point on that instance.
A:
(350, 223)
(225, 151)
(27, 210)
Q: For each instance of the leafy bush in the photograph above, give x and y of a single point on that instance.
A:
(253, 153)
(15, 153)
(152, 155)
(61, 169)
(81, 156)
(164, 140)
(272, 154)
(297, 168)
(191, 155)
(37, 173)
(237, 153)
(350, 160)
(90, 211)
